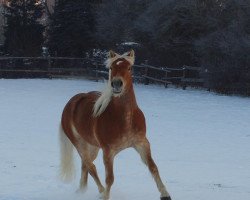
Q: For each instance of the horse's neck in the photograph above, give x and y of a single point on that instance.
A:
(127, 101)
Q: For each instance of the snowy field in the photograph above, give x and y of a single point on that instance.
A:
(200, 142)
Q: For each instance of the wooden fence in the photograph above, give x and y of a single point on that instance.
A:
(61, 67)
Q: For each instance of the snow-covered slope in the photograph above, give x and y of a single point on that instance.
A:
(200, 142)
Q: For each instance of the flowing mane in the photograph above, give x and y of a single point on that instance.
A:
(103, 100)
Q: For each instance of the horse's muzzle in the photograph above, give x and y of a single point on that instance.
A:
(117, 85)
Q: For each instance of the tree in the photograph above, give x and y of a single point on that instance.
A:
(116, 26)
(170, 28)
(115, 21)
(225, 53)
(211, 34)
(23, 31)
(71, 29)
(165, 30)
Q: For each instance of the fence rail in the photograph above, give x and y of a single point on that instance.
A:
(54, 67)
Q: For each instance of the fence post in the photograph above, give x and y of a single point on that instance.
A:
(166, 82)
(49, 67)
(146, 81)
(96, 72)
(248, 90)
(184, 85)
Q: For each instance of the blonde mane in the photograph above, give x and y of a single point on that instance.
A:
(103, 100)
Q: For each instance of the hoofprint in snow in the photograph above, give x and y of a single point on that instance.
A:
(199, 140)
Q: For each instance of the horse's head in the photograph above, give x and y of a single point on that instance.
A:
(120, 73)
(120, 79)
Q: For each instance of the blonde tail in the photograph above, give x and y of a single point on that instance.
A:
(67, 168)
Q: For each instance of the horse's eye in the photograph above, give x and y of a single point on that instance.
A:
(129, 69)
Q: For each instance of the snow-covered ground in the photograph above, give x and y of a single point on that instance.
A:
(200, 142)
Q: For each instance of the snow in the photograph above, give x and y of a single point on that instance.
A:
(130, 43)
(199, 140)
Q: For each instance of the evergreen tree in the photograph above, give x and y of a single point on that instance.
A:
(225, 53)
(116, 21)
(71, 31)
(23, 31)
(170, 28)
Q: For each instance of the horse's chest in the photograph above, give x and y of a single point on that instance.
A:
(115, 131)
(120, 125)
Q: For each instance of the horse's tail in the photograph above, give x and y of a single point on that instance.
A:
(67, 169)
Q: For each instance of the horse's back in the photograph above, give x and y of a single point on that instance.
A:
(78, 100)
(77, 120)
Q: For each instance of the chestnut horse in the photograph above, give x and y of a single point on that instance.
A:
(110, 120)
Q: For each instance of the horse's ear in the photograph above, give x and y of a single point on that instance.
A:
(111, 54)
(131, 53)
(130, 56)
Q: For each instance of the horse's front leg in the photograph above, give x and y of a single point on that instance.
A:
(143, 148)
(108, 159)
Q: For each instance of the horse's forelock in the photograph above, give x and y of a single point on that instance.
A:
(110, 61)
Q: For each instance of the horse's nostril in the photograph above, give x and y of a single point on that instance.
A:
(120, 83)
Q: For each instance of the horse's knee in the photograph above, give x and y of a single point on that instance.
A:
(153, 169)
(152, 166)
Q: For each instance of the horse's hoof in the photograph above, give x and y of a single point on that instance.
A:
(103, 196)
(81, 190)
(166, 198)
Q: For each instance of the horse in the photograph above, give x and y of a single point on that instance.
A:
(110, 120)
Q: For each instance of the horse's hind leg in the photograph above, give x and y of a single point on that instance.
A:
(92, 154)
(143, 148)
(88, 155)
(84, 178)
